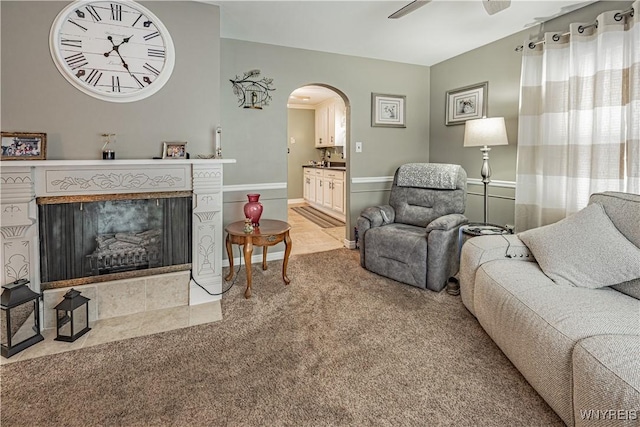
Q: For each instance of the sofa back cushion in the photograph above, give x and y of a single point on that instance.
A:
(624, 211)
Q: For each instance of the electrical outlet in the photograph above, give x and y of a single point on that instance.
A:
(358, 147)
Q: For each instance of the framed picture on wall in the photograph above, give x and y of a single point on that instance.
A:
(388, 110)
(24, 146)
(466, 103)
(174, 150)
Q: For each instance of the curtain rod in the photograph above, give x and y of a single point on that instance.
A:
(618, 17)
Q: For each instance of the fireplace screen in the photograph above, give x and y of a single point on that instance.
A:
(81, 242)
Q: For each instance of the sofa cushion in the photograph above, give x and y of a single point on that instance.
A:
(585, 250)
(536, 323)
(631, 288)
(606, 378)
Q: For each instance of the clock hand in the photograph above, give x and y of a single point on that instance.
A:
(117, 49)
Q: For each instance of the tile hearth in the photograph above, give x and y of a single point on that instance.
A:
(123, 327)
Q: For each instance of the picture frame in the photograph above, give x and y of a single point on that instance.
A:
(388, 110)
(466, 103)
(24, 146)
(174, 150)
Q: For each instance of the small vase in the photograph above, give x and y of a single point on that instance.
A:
(253, 209)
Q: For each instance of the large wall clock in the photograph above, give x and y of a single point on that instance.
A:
(116, 51)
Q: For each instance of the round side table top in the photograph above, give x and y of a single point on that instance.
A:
(268, 227)
(481, 229)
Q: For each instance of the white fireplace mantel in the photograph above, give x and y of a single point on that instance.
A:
(22, 181)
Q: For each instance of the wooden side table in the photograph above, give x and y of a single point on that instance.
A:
(269, 233)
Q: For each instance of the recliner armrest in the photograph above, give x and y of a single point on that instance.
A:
(379, 215)
(447, 222)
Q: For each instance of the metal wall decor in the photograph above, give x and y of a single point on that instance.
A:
(251, 90)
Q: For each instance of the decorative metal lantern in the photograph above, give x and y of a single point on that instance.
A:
(20, 318)
(72, 316)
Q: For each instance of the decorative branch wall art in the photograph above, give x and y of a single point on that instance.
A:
(251, 90)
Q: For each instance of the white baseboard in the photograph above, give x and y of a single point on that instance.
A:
(349, 244)
(295, 201)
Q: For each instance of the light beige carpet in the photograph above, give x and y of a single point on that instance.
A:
(339, 346)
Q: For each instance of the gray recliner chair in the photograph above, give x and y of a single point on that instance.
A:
(414, 239)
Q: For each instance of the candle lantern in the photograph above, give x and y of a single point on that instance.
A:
(20, 318)
(72, 316)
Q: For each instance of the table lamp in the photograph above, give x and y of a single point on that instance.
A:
(482, 133)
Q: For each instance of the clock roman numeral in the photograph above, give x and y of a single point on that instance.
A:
(71, 43)
(77, 25)
(94, 13)
(155, 53)
(93, 77)
(151, 35)
(115, 84)
(76, 61)
(136, 21)
(151, 69)
(116, 12)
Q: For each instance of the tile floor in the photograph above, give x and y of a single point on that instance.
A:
(306, 236)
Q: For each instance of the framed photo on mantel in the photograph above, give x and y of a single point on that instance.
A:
(24, 146)
(174, 150)
(466, 103)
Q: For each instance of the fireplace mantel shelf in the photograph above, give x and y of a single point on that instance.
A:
(107, 163)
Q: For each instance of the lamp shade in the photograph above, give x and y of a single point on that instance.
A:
(489, 131)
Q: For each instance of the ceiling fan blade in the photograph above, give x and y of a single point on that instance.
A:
(494, 6)
(415, 4)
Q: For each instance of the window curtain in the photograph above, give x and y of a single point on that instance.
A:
(579, 122)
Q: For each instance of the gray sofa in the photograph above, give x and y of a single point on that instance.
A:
(579, 347)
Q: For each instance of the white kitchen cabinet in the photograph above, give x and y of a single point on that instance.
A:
(333, 181)
(319, 190)
(322, 125)
(338, 196)
(324, 190)
(330, 123)
(309, 185)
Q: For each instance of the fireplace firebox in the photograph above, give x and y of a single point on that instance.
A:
(88, 239)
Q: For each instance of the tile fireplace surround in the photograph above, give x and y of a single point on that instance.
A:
(23, 181)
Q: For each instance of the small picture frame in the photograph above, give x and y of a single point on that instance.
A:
(466, 103)
(388, 110)
(24, 146)
(174, 150)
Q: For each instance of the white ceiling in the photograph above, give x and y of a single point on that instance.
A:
(431, 34)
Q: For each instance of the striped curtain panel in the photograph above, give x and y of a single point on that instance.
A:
(579, 123)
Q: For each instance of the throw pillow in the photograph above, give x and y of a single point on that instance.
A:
(584, 250)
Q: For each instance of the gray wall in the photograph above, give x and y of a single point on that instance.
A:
(36, 98)
(499, 64)
(301, 127)
(258, 138)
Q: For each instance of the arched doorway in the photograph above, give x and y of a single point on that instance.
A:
(318, 139)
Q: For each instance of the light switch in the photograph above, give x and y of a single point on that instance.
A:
(293, 140)
(358, 147)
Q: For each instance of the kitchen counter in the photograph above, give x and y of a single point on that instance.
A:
(335, 168)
